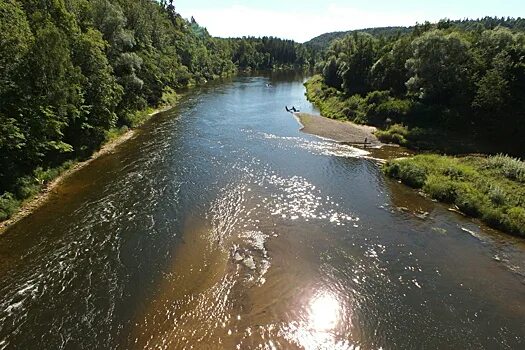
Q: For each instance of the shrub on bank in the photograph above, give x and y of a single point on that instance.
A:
(27, 187)
(441, 188)
(396, 133)
(8, 206)
(329, 101)
(509, 167)
(475, 185)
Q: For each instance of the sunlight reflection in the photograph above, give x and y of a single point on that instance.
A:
(324, 312)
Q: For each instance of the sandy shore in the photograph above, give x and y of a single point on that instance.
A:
(33, 203)
(340, 131)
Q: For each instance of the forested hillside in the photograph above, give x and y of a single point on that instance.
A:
(71, 71)
(323, 41)
(437, 86)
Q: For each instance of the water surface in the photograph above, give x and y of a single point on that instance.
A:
(221, 226)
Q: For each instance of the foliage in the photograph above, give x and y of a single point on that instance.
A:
(512, 168)
(452, 77)
(474, 184)
(74, 73)
(396, 133)
(377, 107)
(323, 41)
(8, 205)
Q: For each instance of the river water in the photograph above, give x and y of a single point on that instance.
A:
(221, 226)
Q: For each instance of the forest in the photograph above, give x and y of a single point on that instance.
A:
(75, 72)
(449, 86)
(323, 41)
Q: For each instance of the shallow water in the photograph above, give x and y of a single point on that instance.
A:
(221, 226)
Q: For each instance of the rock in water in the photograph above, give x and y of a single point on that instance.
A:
(249, 263)
(237, 257)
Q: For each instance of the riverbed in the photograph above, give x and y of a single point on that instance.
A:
(220, 225)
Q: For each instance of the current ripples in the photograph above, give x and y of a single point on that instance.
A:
(77, 266)
(220, 226)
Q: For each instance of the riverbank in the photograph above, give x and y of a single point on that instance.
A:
(490, 188)
(392, 117)
(340, 131)
(486, 187)
(115, 139)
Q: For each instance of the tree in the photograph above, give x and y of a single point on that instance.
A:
(390, 71)
(101, 93)
(440, 69)
(356, 54)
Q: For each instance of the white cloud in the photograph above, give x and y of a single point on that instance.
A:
(238, 20)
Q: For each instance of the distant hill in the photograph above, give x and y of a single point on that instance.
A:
(321, 42)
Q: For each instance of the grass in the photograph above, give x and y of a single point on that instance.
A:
(489, 188)
(512, 168)
(331, 103)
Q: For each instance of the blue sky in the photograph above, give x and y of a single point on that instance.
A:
(305, 19)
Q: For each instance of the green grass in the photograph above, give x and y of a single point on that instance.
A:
(331, 103)
(489, 188)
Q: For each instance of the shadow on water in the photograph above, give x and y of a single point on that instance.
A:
(221, 226)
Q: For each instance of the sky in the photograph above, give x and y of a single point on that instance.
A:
(302, 20)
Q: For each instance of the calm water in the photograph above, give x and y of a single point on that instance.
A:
(221, 226)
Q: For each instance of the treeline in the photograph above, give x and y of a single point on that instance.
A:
(323, 41)
(269, 53)
(71, 71)
(435, 82)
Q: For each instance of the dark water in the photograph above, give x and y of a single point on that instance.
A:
(220, 225)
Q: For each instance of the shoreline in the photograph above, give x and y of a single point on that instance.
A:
(28, 206)
(351, 134)
(344, 132)
(436, 183)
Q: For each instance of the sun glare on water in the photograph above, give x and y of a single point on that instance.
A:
(324, 312)
(321, 329)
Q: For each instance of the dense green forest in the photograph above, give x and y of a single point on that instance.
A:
(74, 71)
(323, 41)
(453, 86)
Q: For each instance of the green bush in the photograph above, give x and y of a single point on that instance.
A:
(493, 217)
(470, 201)
(399, 129)
(497, 195)
(43, 176)
(396, 133)
(441, 188)
(26, 187)
(392, 168)
(8, 206)
(514, 220)
(394, 109)
(377, 97)
(512, 168)
(169, 97)
(409, 173)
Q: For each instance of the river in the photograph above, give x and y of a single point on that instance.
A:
(221, 226)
